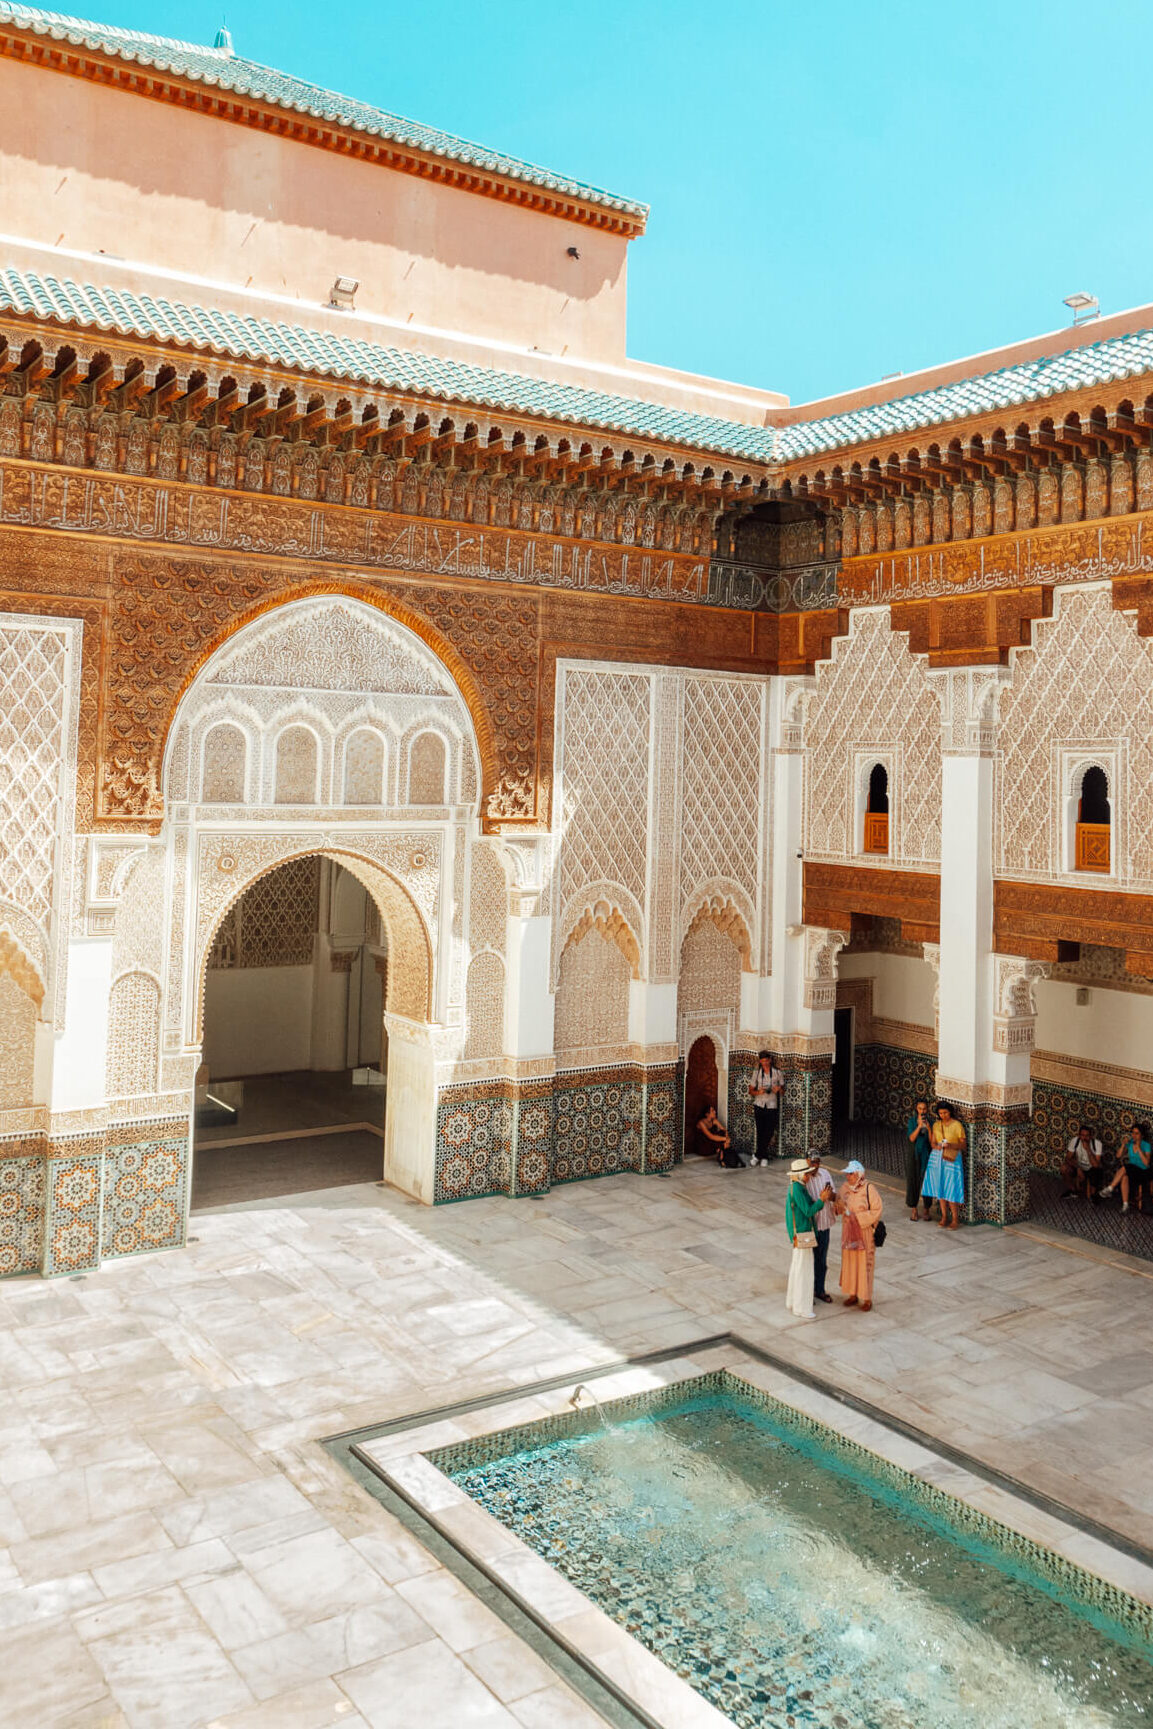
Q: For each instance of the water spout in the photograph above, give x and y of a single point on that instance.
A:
(575, 1401)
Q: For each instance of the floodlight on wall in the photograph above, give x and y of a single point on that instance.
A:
(1083, 307)
(342, 295)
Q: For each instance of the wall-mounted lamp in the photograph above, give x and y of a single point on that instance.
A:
(573, 253)
(342, 295)
(1083, 307)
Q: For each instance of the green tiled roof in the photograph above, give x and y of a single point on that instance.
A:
(360, 362)
(331, 355)
(225, 70)
(1106, 362)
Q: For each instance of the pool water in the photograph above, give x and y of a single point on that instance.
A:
(793, 1578)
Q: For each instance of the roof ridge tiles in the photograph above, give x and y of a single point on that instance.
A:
(343, 355)
(228, 71)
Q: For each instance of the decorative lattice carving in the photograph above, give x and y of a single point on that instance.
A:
(488, 903)
(592, 997)
(274, 923)
(138, 933)
(133, 1035)
(225, 762)
(1086, 680)
(604, 780)
(873, 693)
(37, 756)
(721, 798)
(485, 1010)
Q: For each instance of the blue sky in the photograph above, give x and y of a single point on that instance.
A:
(838, 191)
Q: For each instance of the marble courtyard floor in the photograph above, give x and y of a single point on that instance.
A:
(176, 1549)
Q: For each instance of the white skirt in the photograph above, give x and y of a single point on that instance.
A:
(799, 1296)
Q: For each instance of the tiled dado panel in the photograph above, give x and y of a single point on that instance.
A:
(22, 1173)
(67, 1205)
(806, 1106)
(887, 1082)
(739, 1122)
(474, 1140)
(517, 1138)
(1058, 1110)
(145, 1187)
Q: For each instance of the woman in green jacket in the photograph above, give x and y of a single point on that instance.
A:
(800, 1211)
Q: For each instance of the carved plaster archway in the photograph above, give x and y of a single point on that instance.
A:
(410, 970)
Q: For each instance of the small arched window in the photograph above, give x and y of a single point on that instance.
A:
(877, 810)
(1093, 851)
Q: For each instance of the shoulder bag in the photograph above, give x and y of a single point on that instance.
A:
(880, 1232)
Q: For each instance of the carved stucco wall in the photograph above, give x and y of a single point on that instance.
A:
(873, 701)
(328, 701)
(17, 1044)
(1082, 692)
(592, 1003)
(710, 977)
(663, 806)
(485, 1006)
(39, 712)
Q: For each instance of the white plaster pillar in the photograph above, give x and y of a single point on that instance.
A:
(965, 1035)
(410, 1117)
(79, 1060)
(528, 1001)
(653, 1015)
(331, 972)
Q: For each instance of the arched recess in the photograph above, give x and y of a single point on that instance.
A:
(374, 596)
(409, 981)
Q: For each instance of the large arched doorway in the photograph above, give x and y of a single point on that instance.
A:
(322, 783)
(290, 1095)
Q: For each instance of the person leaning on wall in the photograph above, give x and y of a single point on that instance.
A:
(767, 1086)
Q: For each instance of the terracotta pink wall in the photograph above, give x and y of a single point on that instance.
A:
(98, 169)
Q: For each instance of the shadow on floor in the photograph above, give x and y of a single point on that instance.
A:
(295, 1133)
(882, 1148)
(222, 1176)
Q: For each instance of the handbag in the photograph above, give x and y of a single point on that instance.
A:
(880, 1232)
(806, 1240)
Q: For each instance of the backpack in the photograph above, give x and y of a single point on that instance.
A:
(880, 1232)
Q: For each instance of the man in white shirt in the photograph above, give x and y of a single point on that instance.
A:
(1083, 1169)
(817, 1181)
(768, 1085)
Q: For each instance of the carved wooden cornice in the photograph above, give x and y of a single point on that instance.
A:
(1047, 922)
(834, 893)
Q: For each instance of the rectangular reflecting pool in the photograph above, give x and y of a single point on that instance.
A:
(793, 1577)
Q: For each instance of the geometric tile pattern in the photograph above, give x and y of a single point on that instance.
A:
(73, 1195)
(22, 1172)
(145, 1184)
(474, 1140)
(888, 1081)
(739, 1116)
(598, 1128)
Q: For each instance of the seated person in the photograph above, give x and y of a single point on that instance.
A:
(1083, 1169)
(713, 1140)
(1134, 1167)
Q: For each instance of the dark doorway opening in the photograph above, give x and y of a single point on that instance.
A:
(843, 1065)
(700, 1091)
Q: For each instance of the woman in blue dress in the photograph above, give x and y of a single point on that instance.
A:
(945, 1177)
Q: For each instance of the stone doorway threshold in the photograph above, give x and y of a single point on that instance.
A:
(595, 1655)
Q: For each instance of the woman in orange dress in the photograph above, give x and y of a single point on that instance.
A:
(859, 1204)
